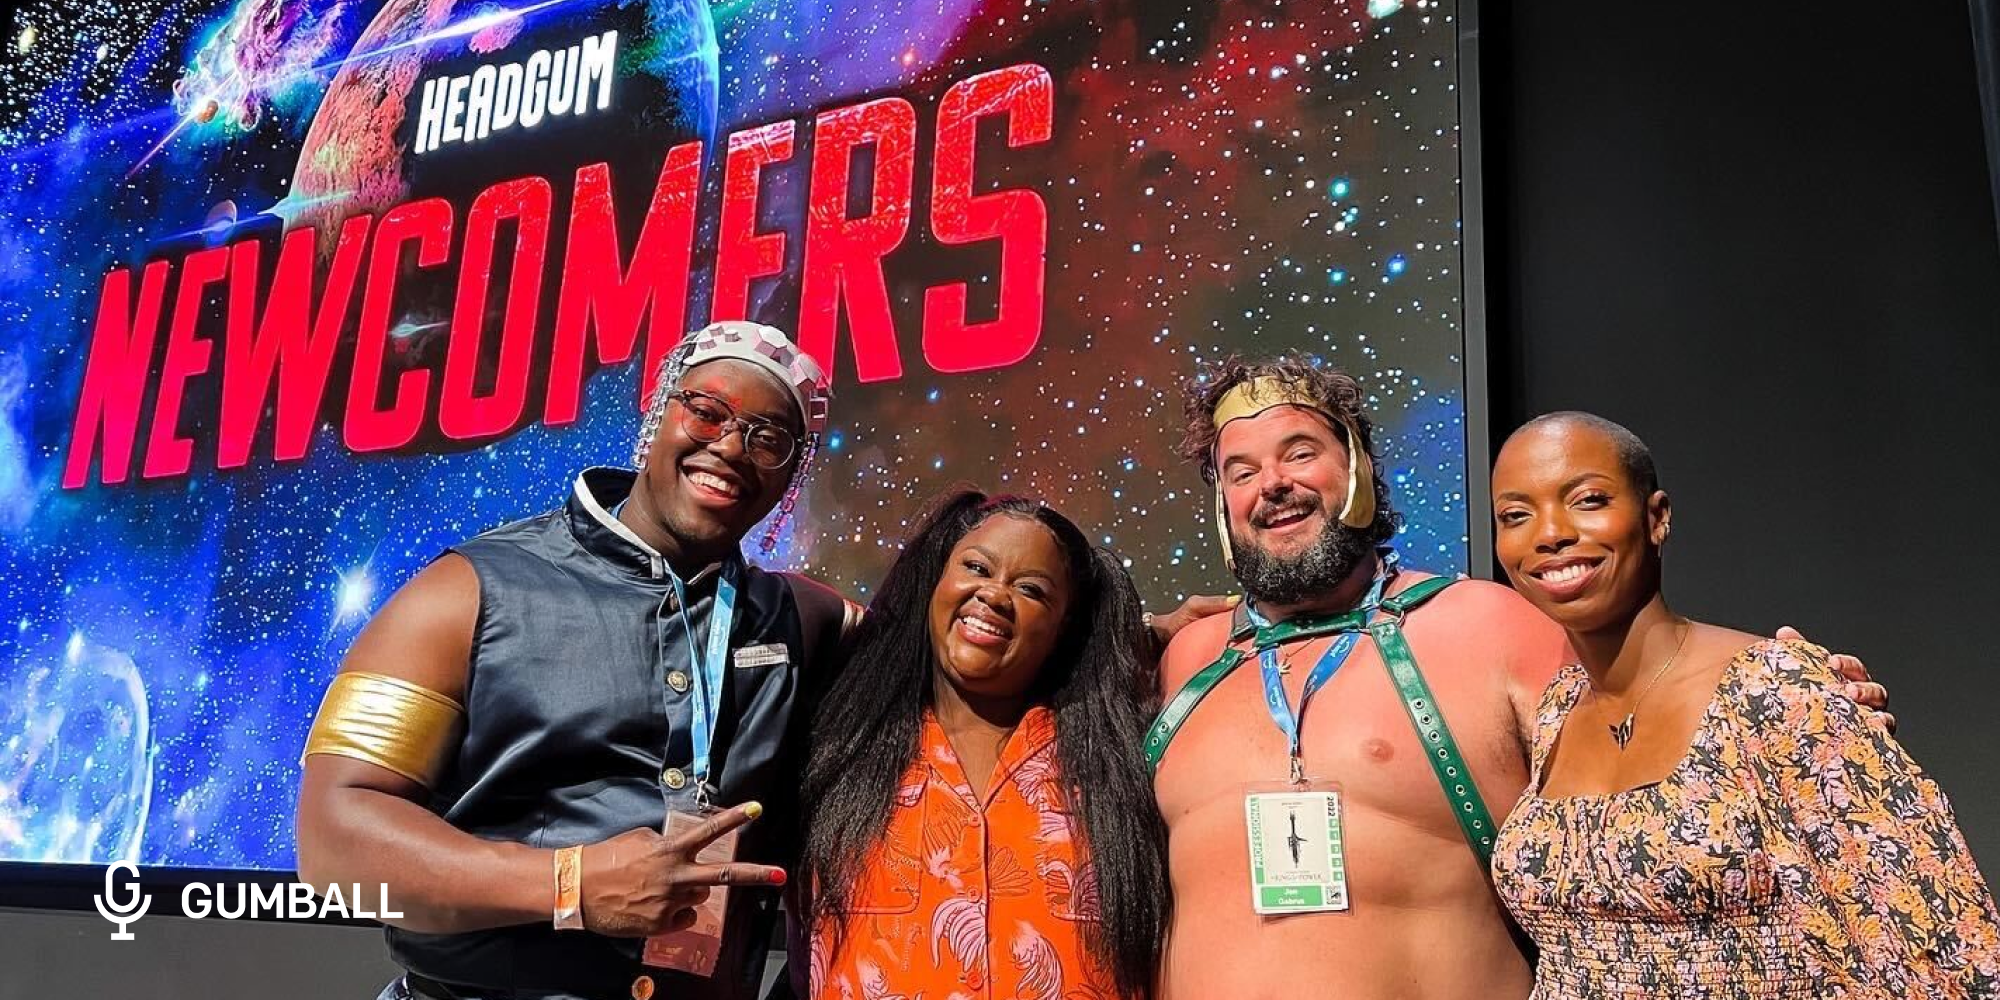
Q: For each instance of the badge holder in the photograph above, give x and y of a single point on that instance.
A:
(696, 949)
(1298, 860)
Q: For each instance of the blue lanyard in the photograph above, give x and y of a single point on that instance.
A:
(708, 660)
(1329, 663)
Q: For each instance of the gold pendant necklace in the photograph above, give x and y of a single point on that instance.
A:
(1285, 662)
(1285, 665)
(1622, 732)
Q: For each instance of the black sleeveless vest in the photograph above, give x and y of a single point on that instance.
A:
(573, 729)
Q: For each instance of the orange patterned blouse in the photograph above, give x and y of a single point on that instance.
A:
(1796, 851)
(968, 899)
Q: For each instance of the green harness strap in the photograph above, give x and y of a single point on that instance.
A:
(1441, 750)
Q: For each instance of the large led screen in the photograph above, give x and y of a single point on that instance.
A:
(295, 293)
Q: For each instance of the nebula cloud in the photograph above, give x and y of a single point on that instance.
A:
(261, 49)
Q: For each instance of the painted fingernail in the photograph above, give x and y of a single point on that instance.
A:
(777, 876)
(1235, 599)
(753, 809)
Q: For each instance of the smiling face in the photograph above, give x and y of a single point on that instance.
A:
(1283, 475)
(998, 611)
(709, 495)
(1579, 539)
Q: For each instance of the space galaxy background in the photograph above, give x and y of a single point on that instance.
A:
(1224, 175)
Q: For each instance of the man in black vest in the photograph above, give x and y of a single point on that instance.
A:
(508, 737)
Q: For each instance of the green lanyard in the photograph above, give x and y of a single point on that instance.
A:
(1475, 821)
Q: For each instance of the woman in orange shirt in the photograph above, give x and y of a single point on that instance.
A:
(949, 853)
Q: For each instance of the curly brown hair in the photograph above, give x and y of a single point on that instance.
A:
(1333, 389)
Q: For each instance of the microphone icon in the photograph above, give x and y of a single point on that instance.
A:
(123, 915)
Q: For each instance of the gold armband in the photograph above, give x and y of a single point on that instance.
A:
(387, 722)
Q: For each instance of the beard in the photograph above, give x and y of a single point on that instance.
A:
(1271, 579)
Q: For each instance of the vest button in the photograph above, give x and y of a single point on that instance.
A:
(642, 988)
(678, 680)
(673, 778)
(670, 603)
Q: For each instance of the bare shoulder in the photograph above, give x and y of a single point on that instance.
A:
(424, 634)
(1730, 642)
(1499, 622)
(1496, 643)
(1487, 602)
(1194, 647)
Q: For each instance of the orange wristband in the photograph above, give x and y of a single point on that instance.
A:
(569, 889)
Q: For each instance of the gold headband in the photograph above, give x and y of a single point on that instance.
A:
(388, 722)
(1248, 399)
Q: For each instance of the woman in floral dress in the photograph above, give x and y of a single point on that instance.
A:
(1707, 816)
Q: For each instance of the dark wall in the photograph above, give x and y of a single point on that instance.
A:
(1761, 237)
(45, 953)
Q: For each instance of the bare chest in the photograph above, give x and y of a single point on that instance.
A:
(1354, 732)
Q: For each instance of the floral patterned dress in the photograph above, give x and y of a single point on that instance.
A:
(969, 898)
(1795, 851)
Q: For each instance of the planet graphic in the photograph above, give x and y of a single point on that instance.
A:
(220, 220)
(76, 757)
(357, 155)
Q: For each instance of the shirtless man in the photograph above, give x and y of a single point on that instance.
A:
(1422, 919)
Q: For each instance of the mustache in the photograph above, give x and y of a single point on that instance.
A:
(1266, 511)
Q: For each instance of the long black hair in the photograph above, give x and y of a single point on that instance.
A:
(1099, 683)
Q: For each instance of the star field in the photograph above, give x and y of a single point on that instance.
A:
(1243, 176)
